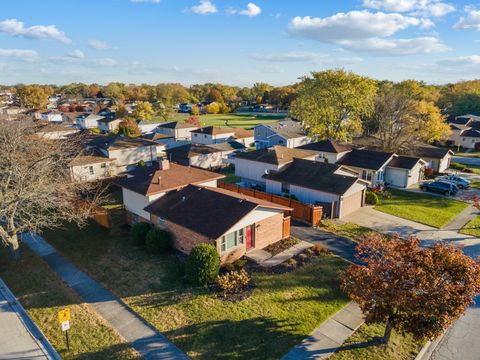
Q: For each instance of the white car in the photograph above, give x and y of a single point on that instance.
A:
(461, 182)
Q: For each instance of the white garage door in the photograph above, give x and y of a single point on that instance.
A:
(396, 177)
(351, 203)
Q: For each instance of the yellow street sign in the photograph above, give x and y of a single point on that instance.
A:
(64, 315)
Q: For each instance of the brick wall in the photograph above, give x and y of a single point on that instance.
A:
(129, 216)
(268, 231)
(183, 238)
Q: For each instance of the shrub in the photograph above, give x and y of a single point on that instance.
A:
(371, 198)
(428, 172)
(195, 110)
(320, 249)
(139, 232)
(229, 267)
(233, 282)
(240, 264)
(157, 241)
(203, 264)
(213, 108)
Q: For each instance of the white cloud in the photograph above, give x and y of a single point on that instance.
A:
(76, 54)
(252, 10)
(103, 62)
(288, 57)
(146, 1)
(97, 44)
(204, 7)
(470, 21)
(470, 61)
(354, 25)
(434, 8)
(393, 47)
(22, 54)
(39, 32)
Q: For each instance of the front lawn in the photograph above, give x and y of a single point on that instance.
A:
(472, 227)
(359, 346)
(233, 120)
(349, 230)
(282, 311)
(430, 210)
(43, 294)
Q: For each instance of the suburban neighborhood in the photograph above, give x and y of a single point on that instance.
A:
(201, 179)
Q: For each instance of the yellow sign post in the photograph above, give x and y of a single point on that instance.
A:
(64, 320)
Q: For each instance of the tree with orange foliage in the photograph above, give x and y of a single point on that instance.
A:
(193, 120)
(411, 289)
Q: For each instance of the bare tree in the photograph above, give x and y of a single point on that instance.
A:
(36, 190)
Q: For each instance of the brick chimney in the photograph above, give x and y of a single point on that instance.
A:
(163, 164)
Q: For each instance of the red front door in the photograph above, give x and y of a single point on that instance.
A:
(249, 237)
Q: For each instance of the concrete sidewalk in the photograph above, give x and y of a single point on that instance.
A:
(143, 337)
(20, 338)
(329, 336)
(462, 219)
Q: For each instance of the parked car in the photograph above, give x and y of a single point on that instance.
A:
(441, 187)
(459, 181)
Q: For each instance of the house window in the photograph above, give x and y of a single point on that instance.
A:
(280, 141)
(285, 188)
(232, 240)
(90, 169)
(366, 175)
(161, 223)
(195, 135)
(103, 166)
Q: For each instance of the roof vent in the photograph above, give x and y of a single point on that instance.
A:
(184, 198)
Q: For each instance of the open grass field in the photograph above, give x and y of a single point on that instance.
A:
(282, 311)
(233, 120)
(426, 209)
(43, 294)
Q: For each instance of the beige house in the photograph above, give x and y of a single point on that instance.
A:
(151, 183)
(91, 166)
(108, 125)
(179, 130)
(233, 223)
(205, 156)
(328, 151)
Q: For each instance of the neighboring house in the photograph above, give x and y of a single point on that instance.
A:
(56, 132)
(465, 131)
(108, 125)
(204, 156)
(179, 130)
(315, 182)
(287, 133)
(250, 166)
(244, 136)
(371, 165)
(11, 112)
(128, 152)
(436, 158)
(232, 222)
(404, 171)
(328, 151)
(88, 121)
(147, 126)
(91, 166)
(53, 116)
(211, 135)
(151, 183)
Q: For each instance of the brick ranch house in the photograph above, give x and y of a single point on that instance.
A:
(232, 222)
(151, 183)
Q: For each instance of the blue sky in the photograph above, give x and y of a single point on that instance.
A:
(236, 42)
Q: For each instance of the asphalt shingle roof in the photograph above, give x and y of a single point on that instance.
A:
(329, 146)
(366, 159)
(275, 155)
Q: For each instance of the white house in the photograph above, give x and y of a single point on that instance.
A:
(179, 130)
(211, 135)
(128, 152)
(315, 182)
(204, 156)
(465, 131)
(287, 133)
(53, 116)
(147, 126)
(91, 166)
(56, 132)
(151, 183)
(88, 121)
(250, 166)
(108, 125)
(328, 151)
(436, 158)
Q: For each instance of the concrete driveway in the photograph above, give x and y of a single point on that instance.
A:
(389, 224)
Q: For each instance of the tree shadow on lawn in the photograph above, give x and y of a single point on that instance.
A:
(250, 339)
(113, 352)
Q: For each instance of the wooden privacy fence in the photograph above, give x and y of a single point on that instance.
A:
(301, 211)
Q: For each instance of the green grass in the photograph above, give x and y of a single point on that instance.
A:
(465, 168)
(230, 178)
(399, 348)
(426, 209)
(472, 227)
(349, 230)
(282, 311)
(475, 184)
(234, 120)
(43, 294)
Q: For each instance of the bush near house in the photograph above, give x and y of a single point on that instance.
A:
(138, 233)
(233, 282)
(371, 198)
(157, 241)
(203, 264)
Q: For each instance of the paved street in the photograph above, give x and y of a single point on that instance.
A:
(466, 160)
(19, 336)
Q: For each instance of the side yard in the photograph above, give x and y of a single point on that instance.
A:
(42, 294)
(426, 209)
(472, 227)
(234, 120)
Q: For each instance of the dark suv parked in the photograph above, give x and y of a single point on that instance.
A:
(439, 187)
